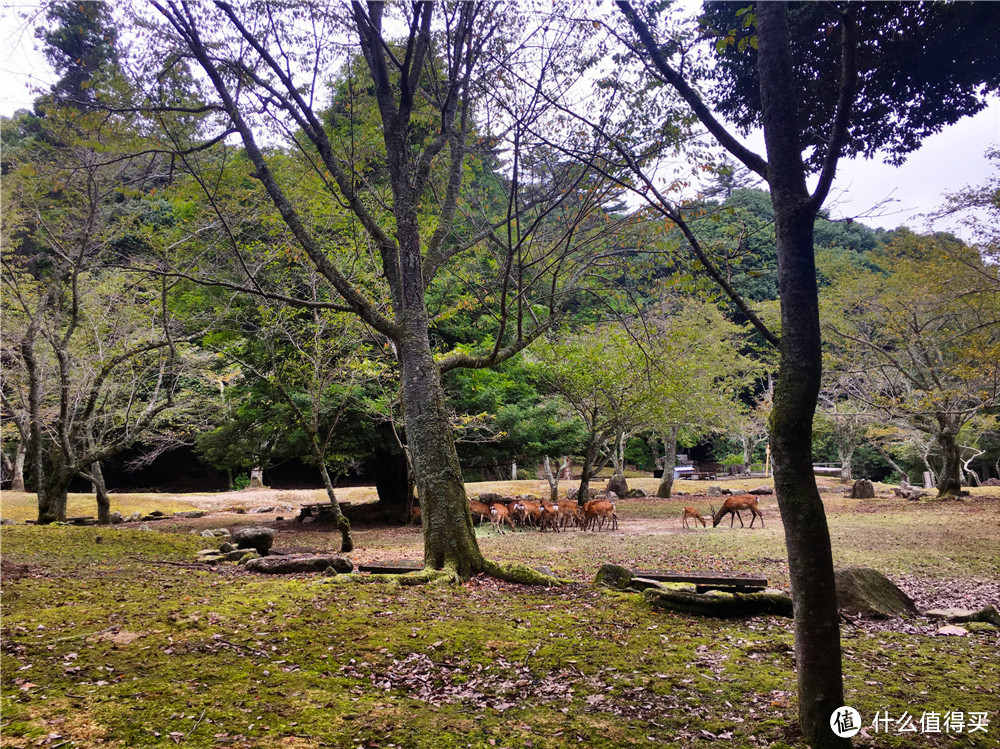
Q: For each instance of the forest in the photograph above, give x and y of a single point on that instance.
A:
(309, 246)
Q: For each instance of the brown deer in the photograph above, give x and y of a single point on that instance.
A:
(526, 512)
(690, 512)
(499, 514)
(480, 511)
(599, 508)
(732, 507)
(548, 516)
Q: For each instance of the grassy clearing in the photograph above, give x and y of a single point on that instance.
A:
(128, 643)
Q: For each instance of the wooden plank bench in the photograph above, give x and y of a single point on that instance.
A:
(732, 583)
(318, 509)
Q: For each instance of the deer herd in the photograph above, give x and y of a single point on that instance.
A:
(530, 512)
(524, 512)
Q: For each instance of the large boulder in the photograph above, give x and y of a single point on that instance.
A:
(618, 485)
(714, 491)
(290, 565)
(862, 489)
(867, 592)
(637, 493)
(260, 539)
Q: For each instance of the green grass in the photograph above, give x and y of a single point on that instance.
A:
(212, 658)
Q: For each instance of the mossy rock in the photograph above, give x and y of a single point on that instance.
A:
(867, 592)
(613, 576)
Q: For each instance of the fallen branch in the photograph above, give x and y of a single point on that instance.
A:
(721, 605)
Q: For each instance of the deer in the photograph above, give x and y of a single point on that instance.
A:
(732, 507)
(691, 512)
(599, 508)
(548, 516)
(499, 514)
(527, 512)
(480, 511)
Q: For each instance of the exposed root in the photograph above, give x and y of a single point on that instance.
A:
(520, 573)
(511, 573)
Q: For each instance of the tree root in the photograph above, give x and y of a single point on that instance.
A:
(511, 573)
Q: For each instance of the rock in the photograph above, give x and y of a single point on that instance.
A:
(135, 515)
(260, 539)
(991, 482)
(207, 534)
(156, 514)
(117, 518)
(618, 485)
(951, 629)
(867, 592)
(220, 532)
(145, 527)
(950, 614)
(613, 576)
(191, 514)
(225, 547)
(610, 496)
(980, 627)
(762, 491)
(488, 498)
(7, 521)
(714, 491)
(543, 569)
(248, 556)
(299, 563)
(261, 510)
(237, 554)
(637, 493)
(310, 519)
(862, 489)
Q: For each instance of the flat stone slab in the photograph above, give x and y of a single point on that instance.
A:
(395, 567)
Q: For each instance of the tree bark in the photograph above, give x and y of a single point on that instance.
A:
(845, 451)
(346, 542)
(588, 465)
(17, 472)
(53, 487)
(949, 481)
(807, 536)
(449, 537)
(101, 490)
(553, 481)
(669, 461)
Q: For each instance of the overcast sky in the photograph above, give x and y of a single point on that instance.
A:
(945, 163)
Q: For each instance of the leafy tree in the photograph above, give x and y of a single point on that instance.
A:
(776, 62)
(424, 87)
(918, 340)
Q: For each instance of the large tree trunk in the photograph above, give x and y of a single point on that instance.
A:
(669, 461)
(53, 486)
(949, 481)
(845, 452)
(449, 538)
(588, 466)
(17, 467)
(553, 481)
(807, 537)
(101, 491)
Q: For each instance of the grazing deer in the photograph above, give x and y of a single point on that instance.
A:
(732, 507)
(548, 516)
(415, 515)
(480, 511)
(599, 508)
(499, 514)
(690, 512)
(526, 512)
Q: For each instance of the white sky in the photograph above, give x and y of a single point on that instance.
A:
(945, 163)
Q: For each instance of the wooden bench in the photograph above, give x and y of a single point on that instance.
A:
(731, 583)
(318, 509)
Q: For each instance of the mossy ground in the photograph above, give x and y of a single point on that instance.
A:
(129, 643)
